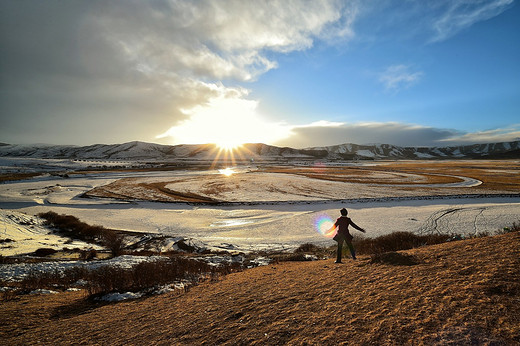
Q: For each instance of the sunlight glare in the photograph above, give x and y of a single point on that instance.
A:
(227, 171)
(227, 122)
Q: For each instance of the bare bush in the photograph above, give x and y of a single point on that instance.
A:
(396, 241)
(146, 275)
(394, 258)
(308, 247)
(44, 252)
(113, 240)
(72, 227)
(53, 279)
(141, 277)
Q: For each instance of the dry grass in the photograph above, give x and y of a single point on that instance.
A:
(134, 189)
(464, 292)
(364, 175)
(496, 175)
(17, 176)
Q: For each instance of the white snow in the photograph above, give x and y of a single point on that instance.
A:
(21, 234)
(283, 222)
(423, 155)
(18, 271)
(43, 291)
(117, 297)
(366, 153)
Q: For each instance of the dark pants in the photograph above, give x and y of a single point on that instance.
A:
(340, 248)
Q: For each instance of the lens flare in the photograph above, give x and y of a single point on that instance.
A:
(227, 171)
(325, 226)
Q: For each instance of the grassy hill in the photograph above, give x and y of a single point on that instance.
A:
(463, 292)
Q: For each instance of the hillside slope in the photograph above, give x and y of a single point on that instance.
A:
(463, 292)
(150, 151)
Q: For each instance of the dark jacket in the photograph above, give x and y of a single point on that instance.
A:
(342, 224)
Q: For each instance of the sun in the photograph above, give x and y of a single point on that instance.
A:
(229, 145)
(227, 171)
(228, 122)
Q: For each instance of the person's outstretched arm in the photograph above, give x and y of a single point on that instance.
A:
(357, 227)
(333, 227)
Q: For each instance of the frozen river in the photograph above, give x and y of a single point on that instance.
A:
(276, 225)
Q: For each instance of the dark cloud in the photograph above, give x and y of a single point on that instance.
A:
(89, 67)
(385, 133)
(62, 82)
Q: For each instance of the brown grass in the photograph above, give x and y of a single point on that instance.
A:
(497, 175)
(17, 176)
(136, 190)
(464, 292)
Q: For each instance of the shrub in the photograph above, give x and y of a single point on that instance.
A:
(52, 279)
(296, 257)
(396, 241)
(113, 241)
(150, 274)
(87, 255)
(72, 227)
(44, 252)
(514, 228)
(308, 247)
(140, 277)
(394, 258)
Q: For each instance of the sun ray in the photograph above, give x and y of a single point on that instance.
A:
(240, 154)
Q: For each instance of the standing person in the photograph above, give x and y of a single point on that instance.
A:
(343, 233)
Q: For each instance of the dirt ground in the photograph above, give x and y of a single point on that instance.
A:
(464, 292)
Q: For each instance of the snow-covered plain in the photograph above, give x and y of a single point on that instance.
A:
(285, 218)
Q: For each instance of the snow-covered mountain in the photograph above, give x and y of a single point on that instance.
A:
(387, 151)
(150, 151)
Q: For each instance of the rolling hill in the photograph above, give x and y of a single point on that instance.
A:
(149, 151)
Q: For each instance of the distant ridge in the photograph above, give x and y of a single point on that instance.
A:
(149, 151)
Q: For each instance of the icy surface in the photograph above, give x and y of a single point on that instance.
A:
(283, 224)
(21, 233)
(117, 297)
(17, 272)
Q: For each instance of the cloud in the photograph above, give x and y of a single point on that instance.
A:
(212, 40)
(390, 133)
(97, 71)
(141, 66)
(508, 134)
(458, 15)
(398, 77)
(429, 21)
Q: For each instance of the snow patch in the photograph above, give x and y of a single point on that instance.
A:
(365, 153)
(117, 297)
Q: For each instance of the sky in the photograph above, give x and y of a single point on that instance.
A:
(287, 73)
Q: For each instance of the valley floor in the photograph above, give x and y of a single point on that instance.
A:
(271, 207)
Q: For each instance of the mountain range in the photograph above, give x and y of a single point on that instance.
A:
(157, 152)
